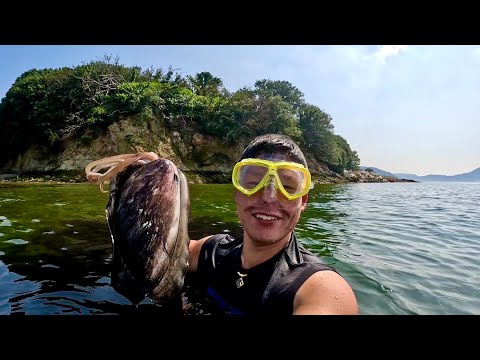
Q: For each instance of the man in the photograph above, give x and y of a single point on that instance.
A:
(267, 271)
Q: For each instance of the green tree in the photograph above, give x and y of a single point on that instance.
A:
(273, 115)
(206, 84)
(287, 92)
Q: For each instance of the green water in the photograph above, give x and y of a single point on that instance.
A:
(405, 248)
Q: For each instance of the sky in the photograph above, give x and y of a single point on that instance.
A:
(402, 108)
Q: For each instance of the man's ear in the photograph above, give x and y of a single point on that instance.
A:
(304, 201)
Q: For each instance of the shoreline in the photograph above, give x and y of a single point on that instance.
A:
(69, 177)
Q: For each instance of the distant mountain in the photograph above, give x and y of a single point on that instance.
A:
(378, 171)
(410, 176)
(472, 176)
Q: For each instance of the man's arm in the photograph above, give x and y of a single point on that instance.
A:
(194, 247)
(325, 293)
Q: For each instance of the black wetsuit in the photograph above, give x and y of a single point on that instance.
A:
(267, 288)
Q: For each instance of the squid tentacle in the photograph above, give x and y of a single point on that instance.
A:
(114, 165)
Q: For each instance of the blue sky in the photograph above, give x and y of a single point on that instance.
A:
(412, 109)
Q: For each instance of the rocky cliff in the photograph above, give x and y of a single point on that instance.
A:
(203, 158)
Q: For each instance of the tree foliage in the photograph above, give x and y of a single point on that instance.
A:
(48, 105)
(285, 90)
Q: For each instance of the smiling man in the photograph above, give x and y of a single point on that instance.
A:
(267, 271)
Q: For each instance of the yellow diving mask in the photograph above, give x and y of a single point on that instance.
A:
(292, 179)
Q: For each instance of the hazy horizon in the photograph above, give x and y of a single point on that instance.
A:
(404, 109)
(394, 172)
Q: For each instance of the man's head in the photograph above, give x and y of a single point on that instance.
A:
(271, 192)
(274, 144)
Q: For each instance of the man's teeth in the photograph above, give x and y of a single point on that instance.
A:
(265, 217)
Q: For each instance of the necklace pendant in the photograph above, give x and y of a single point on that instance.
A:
(240, 281)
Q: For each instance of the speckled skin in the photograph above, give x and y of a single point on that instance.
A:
(147, 213)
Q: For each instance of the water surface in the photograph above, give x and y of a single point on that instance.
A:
(406, 248)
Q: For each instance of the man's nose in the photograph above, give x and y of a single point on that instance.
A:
(269, 191)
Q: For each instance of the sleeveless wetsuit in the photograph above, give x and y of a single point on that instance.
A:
(267, 288)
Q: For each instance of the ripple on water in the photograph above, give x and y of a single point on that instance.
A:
(4, 221)
(9, 200)
(50, 266)
(17, 241)
(25, 231)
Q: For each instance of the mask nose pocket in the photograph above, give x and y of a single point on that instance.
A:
(270, 190)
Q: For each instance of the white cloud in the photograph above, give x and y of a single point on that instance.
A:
(367, 55)
(386, 51)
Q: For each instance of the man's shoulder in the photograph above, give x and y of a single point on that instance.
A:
(216, 248)
(220, 238)
(218, 241)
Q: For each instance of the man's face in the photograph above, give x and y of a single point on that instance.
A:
(267, 216)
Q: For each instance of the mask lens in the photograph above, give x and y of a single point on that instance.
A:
(293, 181)
(251, 175)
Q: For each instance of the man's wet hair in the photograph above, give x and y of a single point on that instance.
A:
(275, 143)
